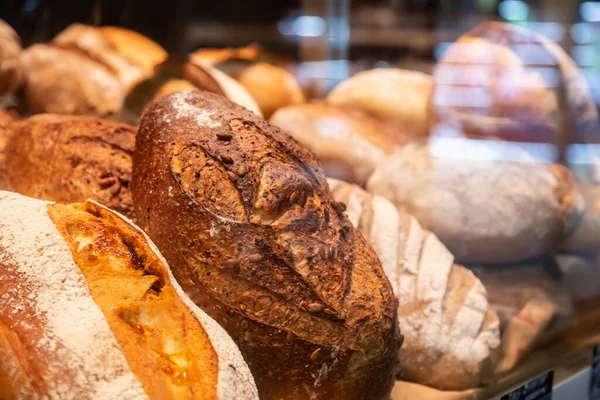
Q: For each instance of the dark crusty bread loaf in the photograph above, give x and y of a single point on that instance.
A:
(244, 216)
(72, 158)
(7, 121)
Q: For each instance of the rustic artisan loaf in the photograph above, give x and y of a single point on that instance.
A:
(270, 85)
(349, 143)
(91, 310)
(72, 158)
(244, 216)
(10, 58)
(484, 208)
(451, 335)
(177, 74)
(397, 96)
(87, 69)
(498, 65)
(7, 123)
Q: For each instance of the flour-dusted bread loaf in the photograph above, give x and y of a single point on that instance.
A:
(397, 96)
(11, 69)
(87, 69)
(349, 143)
(451, 335)
(7, 127)
(243, 214)
(498, 64)
(72, 158)
(176, 74)
(483, 207)
(90, 310)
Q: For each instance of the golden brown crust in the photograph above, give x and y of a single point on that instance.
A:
(244, 216)
(7, 121)
(91, 158)
(11, 69)
(164, 344)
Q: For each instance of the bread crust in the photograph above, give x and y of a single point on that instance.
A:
(7, 123)
(349, 143)
(41, 354)
(243, 215)
(91, 158)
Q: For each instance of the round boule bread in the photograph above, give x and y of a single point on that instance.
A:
(397, 96)
(66, 158)
(244, 216)
(349, 143)
(451, 334)
(11, 69)
(484, 207)
(91, 310)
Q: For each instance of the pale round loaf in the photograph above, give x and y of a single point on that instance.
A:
(10, 59)
(398, 96)
(349, 143)
(70, 349)
(484, 208)
(451, 335)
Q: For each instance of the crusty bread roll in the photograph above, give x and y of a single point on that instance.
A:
(7, 122)
(270, 85)
(484, 208)
(490, 83)
(394, 95)
(67, 159)
(177, 74)
(244, 216)
(451, 335)
(10, 59)
(67, 81)
(349, 143)
(87, 70)
(91, 310)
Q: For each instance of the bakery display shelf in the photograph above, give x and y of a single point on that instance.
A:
(569, 358)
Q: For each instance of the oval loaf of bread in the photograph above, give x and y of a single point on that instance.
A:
(90, 310)
(484, 208)
(451, 335)
(11, 69)
(244, 216)
(66, 158)
(7, 127)
(348, 143)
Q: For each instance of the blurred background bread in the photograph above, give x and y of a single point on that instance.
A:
(485, 207)
(10, 59)
(67, 159)
(100, 314)
(349, 143)
(397, 96)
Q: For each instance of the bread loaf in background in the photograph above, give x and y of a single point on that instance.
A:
(488, 202)
(87, 70)
(72, 158)
(176, 74)
(272, 86)
(11, 69)
(244, 216)
(91, 310)
(498, 65)
(451, 335)
(349, 143)
(7, 122)
(400, 97)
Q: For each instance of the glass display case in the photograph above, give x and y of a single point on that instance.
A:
(459, 140)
